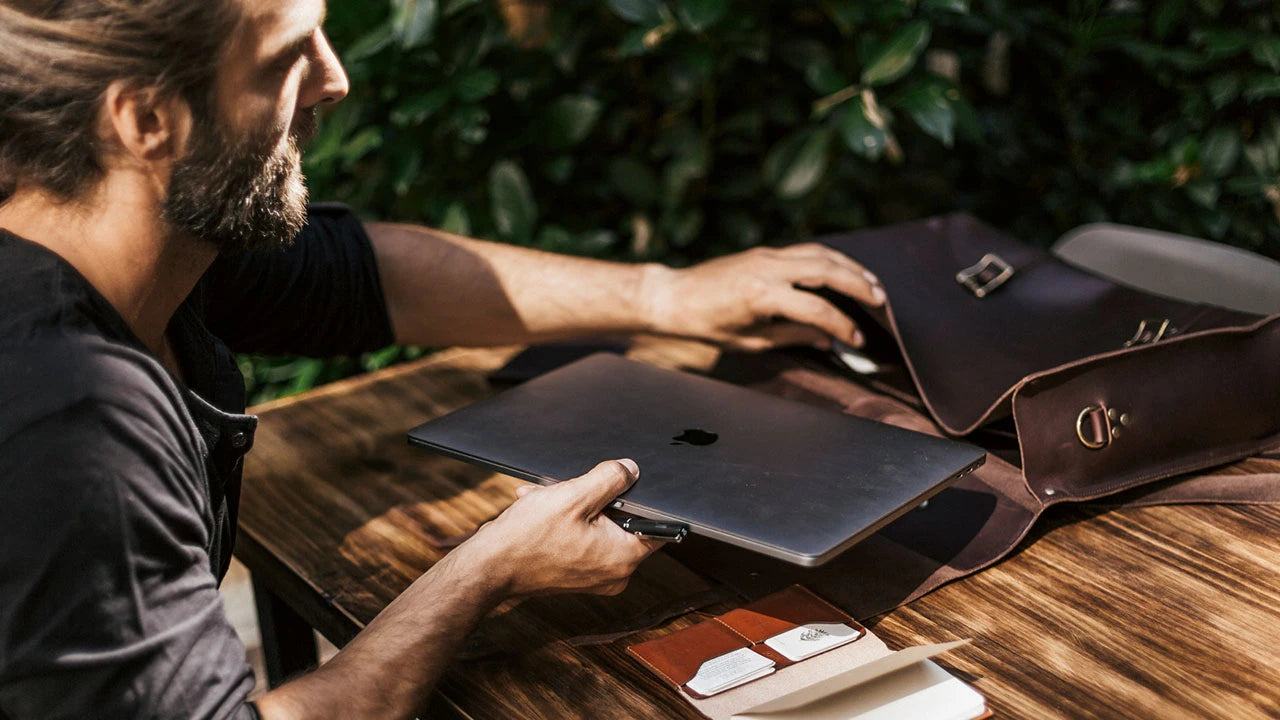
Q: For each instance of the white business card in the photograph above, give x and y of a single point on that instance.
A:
(806, 641)
(729, 670)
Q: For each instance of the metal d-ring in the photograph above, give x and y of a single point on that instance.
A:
(1080, 420)
(1113, 420)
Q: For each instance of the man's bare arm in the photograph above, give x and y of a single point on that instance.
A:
(443, 289)
(552, 539)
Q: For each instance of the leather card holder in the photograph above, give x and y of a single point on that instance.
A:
(677, 657)
(783, 611)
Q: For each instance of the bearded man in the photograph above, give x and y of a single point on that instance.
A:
(152, 217)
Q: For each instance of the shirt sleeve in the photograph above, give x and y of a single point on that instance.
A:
(320, 296)
(108, 606)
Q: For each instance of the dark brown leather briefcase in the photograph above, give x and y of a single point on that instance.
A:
(1080, 389)
(1108, 387)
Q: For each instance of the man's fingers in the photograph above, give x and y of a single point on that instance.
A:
(856, 282)
(820, 251)
(525, 490)
(807, 308)
(595, 490)
(786, 334)
(816, 265)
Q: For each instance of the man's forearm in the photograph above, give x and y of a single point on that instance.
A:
(442, 289)
(389, 669)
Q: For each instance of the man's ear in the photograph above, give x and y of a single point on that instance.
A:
(143, 125)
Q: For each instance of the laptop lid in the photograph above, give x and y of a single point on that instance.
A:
(782, 478)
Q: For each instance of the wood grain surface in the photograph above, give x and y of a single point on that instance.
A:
(1161, 612)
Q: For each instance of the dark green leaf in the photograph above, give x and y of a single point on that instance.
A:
(1217, 224)
(677, 176)
(1219, 151)
(632, 44)
(456, 6)
(700, 61)
(597, 242)
(824, 78)
(685, 226)
(514, 211)
(477, 84)
(472, 123)
(882, 13)
(797, 163)
(407, 167)
(370, 44)
(414, 20)
(555, 239)
(456, 220)
(1266, 50)
(1203, 192)
(1166, 16)
(366, 140)
(1158, 171)
(419, 106)
(570, 119)
(1223, 89)
(698, 15)
(968, 124)
(634, 181)
(558, 169)
(1221, 43)
(328, 143)
(1159, 58)
(640, 12)
(1185, 151)
(896, 57)
(742, 230)
(380, 358)
(846, 14)
(1261, 87)
(860, 134)
(1255, 186)
(959, 6)
(800, 53)
(1263, 153)
(305, 379)
(929, 105)
(1213, 8)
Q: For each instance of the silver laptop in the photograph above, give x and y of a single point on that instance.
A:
(782, 478)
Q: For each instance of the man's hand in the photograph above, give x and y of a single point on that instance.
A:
(554, 539)
(753, 300)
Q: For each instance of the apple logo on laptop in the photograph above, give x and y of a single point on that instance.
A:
(694, 436)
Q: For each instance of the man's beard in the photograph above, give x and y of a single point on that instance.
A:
(240, 195)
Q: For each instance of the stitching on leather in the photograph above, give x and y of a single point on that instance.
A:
(735, 632)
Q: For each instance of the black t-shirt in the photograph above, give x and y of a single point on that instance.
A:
(119, 484)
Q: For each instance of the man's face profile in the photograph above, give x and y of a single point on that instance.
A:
(239, 184)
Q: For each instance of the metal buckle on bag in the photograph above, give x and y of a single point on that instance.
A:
(1098, 425)
(1151, 330)
(988, 274)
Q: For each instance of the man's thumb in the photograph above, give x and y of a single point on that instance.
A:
(606, 481)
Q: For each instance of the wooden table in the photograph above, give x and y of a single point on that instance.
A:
(1160, 612)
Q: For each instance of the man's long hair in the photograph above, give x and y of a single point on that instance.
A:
(57, 58)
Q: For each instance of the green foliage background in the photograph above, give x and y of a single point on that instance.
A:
(681, 129)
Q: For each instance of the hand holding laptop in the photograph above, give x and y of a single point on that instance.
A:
(555, 539)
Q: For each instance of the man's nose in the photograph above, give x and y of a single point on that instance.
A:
(328, 83)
